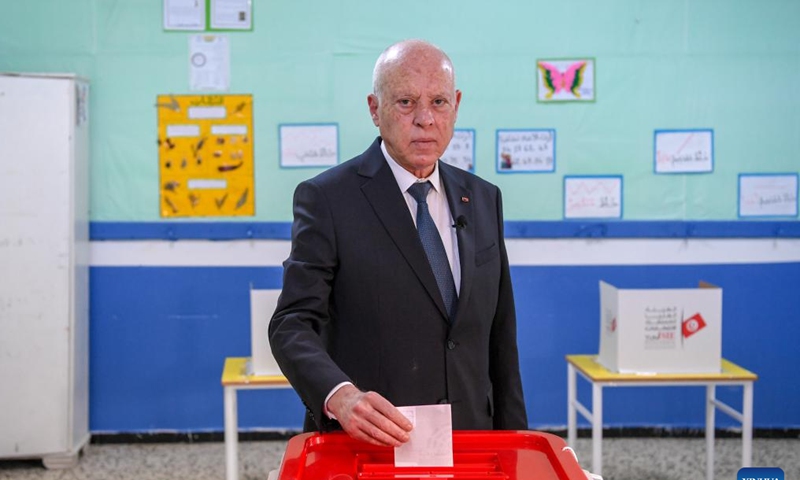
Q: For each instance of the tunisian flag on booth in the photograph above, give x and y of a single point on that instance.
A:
(692, 325)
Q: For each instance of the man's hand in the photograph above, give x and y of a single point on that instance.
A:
(369, 417)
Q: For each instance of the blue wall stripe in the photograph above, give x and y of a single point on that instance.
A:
(190, 230)
(159, 337)
(514, 229)
(653, 229)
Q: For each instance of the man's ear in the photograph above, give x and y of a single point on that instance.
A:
(372, 101)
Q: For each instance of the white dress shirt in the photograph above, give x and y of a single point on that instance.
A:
(437, 206)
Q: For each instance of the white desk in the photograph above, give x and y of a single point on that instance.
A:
(600, 377)
(235, 378)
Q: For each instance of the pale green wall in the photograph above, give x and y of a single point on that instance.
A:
(730, 65)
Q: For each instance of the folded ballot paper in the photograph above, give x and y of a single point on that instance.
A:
(431, 442)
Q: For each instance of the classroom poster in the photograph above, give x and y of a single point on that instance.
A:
(565, 80)
(184, 15)
(684, 151)
(768, 195)
(208, 15)
(209, 63)
(592, 197)
(530, 150)
(308, 145)
(205, 155)
(230, 15)
(461, 150)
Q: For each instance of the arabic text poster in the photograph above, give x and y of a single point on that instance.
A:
(684, 151)
(184, 15)
(461, 150)
(231, 14)
(768, 195)
(592, 197)
(308, 145)
(531, 151)
(565, 80)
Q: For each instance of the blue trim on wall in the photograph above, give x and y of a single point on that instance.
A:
(190, 230)
(654, 229)
(514, 229)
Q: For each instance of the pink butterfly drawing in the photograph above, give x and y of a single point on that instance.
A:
(568, 81)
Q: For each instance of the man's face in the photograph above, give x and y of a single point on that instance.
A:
(416, 112)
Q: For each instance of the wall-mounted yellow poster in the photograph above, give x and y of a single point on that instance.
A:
(205, 155)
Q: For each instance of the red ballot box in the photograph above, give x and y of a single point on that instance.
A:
(477, 455)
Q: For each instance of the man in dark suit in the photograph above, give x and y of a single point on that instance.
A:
(374, 314)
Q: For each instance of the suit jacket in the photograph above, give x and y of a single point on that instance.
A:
(360, 302)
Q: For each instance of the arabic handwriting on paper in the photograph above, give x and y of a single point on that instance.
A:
(689, 151)
(593, 197)
(309, 145)
(526, 150)
(324, 154)
(461, 150)
(768, 195)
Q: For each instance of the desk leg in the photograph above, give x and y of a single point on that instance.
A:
(572, 426)
(710, 410)
(231, 435)
(597, 429)
(747, 425)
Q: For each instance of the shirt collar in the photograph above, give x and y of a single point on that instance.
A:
(405, 178)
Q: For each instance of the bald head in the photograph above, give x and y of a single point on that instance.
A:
(402, 54)
(414, 104)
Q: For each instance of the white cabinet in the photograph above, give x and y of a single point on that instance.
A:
(44, 256)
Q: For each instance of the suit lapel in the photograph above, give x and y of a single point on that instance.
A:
(459, 198)
(387, 200)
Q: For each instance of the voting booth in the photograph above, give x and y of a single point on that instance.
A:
(661, 330)
(262, 306)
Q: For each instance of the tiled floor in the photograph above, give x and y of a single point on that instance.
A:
(624, 459)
